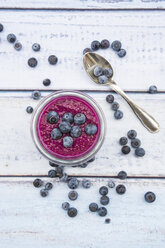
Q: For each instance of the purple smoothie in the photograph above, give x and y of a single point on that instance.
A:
(81, 145)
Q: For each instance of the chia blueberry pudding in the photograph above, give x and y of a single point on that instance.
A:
(68, 127)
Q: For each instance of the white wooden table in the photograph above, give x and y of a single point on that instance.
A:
(64, 28)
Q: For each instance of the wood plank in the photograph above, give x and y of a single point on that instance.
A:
(30, 221)
(81, 4)
(67, 33)
(19, 156)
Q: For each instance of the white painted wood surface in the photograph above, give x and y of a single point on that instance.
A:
(81, 4)
(28, 220)
(67, 33)
(19, 156)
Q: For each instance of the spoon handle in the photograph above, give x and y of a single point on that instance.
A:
(147, 120)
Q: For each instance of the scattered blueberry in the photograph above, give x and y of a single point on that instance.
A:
(102, 79)
(91, 160)
(65, 205)
(108, 72)
(140, 152)
(73, 195)
(29, 110)
(120, 189)
(115, 106)
(67, 117)
(98, 70)
(93, 207)
(32, 62)
(123, 141)
(36, 47)
(121, 53)
(53, 164)
(1, 27)
(122, 175)
(91, 129)
(104, 200)
(116, 45)
(46, 82)
(11, 38)
(86, 183)
(107, 221)
(87, 50)
(79, 119)
(84, 165)
(64, 178)
(36, 95)
(111, 184)
(67, 141)
(44, 192)
(73, 183)
(18, 46)
(52, 173)
(118, 114)
(150, 197)
(75, 131)
(125, 149)
(102, 211)
(105, 44)
(135, 143)
(72, 212)
(48, 186)
(153, 89)
(52, 117)
(132, 134)
(110, 98)
(56, 134)
(37, 183)
(95, 45)
(103, 190)
(52, 60)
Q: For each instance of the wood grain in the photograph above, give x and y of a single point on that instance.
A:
(67, 33)
(81, 4)
(30, 221)
(19, 156)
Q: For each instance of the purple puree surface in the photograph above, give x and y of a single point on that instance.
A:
(81, 145)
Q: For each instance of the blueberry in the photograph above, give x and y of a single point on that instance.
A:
(150, 197)
(32, 62)
(102, 211)
(91, 129)
(118, 114)
(75, 131)
(46, 82)
(91, 160)
(122, 175)
(110, 98)
(120, 189)
(84, 165)
(18, 46)
(140, 152)
(123, 141)
(52, 173)
(79, 119)
(1, 27)
(116, 45)
(125, 149)
(111, 184)
(108, 72)
(102, 79)
(107, 221)
(104, 200)
(121, 53)
(98, 70)
(52, 60)
(135, 143)
(72, 212)
(93, 207)
(103, 190)
(65, 205)
(105, 44)
(153, 89)
(95, 45)
(132, 134)
(115, 106)
(67, 141)
(44, 192)
(56, 134)
(86, 183)
(36, 47)
(29, 110)
(73, 195)
(11, 38)
(65, 127)
(53, 164)
(87, 50)
(48, 186)
(52, 117)
(68, 117)
(36, 95)
(73, 183)
(37, 183)
(64, 178)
